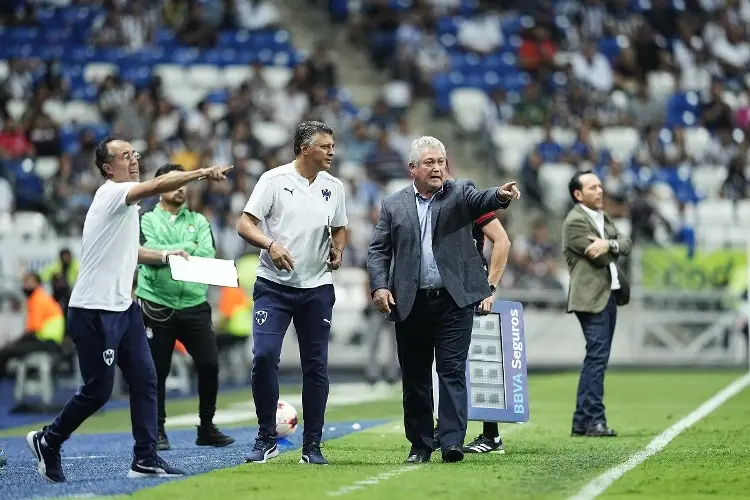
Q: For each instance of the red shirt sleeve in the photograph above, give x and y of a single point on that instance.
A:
(485, 219)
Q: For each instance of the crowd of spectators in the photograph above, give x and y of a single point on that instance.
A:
(586, 66)
(372, 145)
(673, 71)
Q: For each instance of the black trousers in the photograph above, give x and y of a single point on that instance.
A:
(193, 327)
(436, 327)
(599, 329)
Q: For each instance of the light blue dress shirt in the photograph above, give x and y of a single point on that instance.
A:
(429, 276)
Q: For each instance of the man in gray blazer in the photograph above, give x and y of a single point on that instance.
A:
(424, 233)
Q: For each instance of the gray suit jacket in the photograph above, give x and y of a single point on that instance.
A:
(396, 243)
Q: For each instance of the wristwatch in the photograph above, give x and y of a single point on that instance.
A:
(493, 288)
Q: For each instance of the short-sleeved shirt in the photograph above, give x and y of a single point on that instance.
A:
(109, 251)
(478, 234)
(296, 214)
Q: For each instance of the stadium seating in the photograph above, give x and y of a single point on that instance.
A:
(34, 377)
(462, 92)
(189, 75)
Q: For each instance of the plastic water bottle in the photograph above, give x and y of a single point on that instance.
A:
(3, 458)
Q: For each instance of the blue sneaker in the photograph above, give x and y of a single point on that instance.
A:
(154, 466)
(47, 458)
(311, 454)
(265, 448)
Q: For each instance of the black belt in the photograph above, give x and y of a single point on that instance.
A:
(432, 293)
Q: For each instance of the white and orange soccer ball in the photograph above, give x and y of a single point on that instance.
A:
(286, 419)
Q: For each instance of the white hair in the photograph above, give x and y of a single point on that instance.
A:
(419, 145)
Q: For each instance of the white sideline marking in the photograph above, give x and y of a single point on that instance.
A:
(371, 481)
(604, 481)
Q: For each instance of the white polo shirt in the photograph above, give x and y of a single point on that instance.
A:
(295, 214)
(109, 251)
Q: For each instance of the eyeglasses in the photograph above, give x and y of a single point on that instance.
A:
(128, 155)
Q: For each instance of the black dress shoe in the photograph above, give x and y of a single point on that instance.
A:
(577, 431)
(418, 458)
(452, 453)
(600, 430)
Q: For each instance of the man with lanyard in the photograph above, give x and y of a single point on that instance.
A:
(490, 227)
(175, 310)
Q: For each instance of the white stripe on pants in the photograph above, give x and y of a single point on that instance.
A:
(435, 389)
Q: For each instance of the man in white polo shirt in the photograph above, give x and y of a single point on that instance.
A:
(104, 322)
(297, 216)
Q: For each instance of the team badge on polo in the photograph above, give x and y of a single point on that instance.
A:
(326, 194)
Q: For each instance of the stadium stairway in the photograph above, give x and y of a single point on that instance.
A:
(364, 82)
(355, 73)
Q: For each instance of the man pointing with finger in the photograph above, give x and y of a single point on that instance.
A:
(424, 233)
(297, 216)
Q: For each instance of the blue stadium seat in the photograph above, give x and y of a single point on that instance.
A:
(339, 9)
(217, 96)
(609, 47)
(140, 76)
(447, 25)
(27, 187)
(683, 108)
(69, 139)
(468, 7)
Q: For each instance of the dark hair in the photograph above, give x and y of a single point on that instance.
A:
(169, 167)
(306, 131)
(30, 274)
(102, 154)
(575, 183)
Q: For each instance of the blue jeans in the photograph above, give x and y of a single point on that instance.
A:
(598, 329)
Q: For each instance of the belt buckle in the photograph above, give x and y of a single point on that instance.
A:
(432, 293)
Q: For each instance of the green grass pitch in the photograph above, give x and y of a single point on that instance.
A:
(709, 460)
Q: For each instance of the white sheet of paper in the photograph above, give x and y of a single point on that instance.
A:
(217, 272)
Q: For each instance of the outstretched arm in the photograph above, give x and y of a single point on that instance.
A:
(171, 181)
(481, 201)
(153, 257)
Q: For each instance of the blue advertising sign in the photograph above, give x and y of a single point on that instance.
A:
(496, 375)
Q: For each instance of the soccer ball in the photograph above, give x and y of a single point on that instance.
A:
(286, 419)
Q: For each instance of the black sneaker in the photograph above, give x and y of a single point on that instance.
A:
(162, 441)
(311, 454)
(154, 466)
(47, 458)
(210, 435)
(265, 448)
(483, 444)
